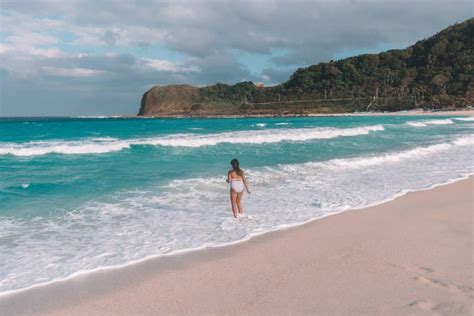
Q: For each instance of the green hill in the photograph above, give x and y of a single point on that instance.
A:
(434, 73)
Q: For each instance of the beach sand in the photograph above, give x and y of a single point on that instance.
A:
(412, 255)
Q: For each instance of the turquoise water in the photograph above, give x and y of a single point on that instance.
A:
(81, 194)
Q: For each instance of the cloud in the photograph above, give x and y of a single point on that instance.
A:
(219, 67)
(168, 66)
(311, 31)
(96, 50)
(70, 72)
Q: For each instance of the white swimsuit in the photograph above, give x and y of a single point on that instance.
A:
(237, 185)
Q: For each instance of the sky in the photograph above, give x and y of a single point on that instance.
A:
(80, 57)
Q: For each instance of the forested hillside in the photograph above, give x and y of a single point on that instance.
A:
(433, 73)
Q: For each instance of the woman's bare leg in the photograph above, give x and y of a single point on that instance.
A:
(233, 201)
(239, 202)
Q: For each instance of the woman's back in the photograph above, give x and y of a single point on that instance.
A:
(234, 175)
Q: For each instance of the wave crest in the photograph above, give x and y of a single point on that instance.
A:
(430, 122)
(105, 145)
(468, 119)
(391, 157)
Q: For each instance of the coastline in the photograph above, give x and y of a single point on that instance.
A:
(100, 287)
(464, 112)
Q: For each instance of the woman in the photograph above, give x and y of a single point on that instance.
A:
(236, 179)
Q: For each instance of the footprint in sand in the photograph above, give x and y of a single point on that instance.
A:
(443, 308)
(426, 269)
(423, 305)
(465, 289)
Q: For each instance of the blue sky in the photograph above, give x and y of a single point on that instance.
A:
(82, 57)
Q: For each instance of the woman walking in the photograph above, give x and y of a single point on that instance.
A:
(238, 182)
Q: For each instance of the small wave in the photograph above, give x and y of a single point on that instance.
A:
(465, 141)
(25, 185)
(468, 119)
(389, 158)
(92, 146)
(430, 122)
(283, 123)
(261, 124)
(105, 145)
(417, 124)
(393, 157)
(257, 136)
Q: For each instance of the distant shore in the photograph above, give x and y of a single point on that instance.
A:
(464, 112)
(408, 256)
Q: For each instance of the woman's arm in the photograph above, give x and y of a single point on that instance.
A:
(245, 182)
(229, 178)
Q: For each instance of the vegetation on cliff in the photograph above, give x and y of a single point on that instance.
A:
(433, 73)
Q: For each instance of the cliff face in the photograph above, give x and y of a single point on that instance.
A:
(168, 100)
(433, 73)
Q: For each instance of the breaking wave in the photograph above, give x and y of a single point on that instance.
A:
(105, 145)
(468, 119)
(430, 122)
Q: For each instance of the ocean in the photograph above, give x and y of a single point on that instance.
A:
(82, 194)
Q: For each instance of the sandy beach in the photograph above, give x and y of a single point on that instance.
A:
(412, 255)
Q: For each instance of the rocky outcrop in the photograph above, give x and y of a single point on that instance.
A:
(169, 100)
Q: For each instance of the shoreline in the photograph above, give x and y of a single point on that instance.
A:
(462, 112)
(190, 251)
(112, 281)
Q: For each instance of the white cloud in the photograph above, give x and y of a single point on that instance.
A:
(180, 12)
(26, 52)
(122, 35)
(167, 66)
(70, 72)
(30, 44)
(161, 65)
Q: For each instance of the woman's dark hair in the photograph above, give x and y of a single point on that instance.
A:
(235, 166)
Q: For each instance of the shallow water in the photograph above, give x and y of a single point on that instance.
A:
(80, 194)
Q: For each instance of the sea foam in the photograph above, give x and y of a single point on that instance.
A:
(430, 122)
(468, 119)
(106, 145)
